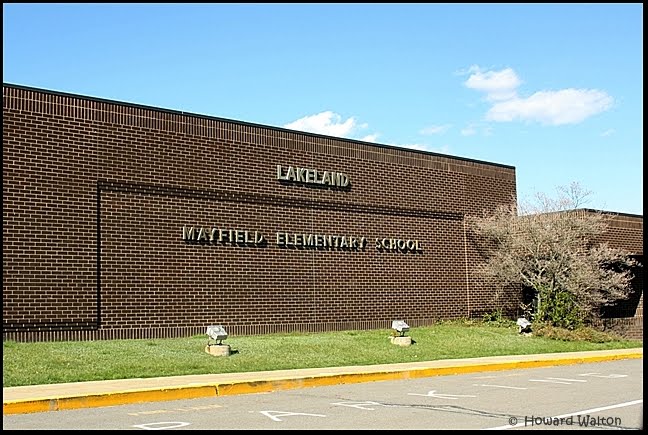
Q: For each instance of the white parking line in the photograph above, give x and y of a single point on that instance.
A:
(569, 380)
(274, 415)
(499, 386)
(162, 425)
(549, 381)
(433, 393)
(598, 375)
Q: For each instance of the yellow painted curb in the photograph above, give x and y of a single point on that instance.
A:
(248, 387)
(108, 399)
(245, 387)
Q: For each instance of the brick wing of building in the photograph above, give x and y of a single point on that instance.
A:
(126, 221)
(625, 231)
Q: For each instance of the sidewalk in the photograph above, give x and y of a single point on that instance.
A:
(54, 397)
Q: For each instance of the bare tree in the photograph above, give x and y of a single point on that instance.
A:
(549, 246)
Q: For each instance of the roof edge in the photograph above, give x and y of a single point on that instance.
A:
(616, 213)
(250, 124)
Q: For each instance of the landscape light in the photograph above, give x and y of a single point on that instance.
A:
(216, 333)
(400, 326)
(524, 326)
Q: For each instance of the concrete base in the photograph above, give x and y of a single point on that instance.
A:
(401, 341)
(218, 349)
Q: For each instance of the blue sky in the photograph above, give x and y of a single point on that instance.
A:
(555, 90)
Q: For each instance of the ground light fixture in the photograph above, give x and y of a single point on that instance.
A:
(398, 337)
(217, 333)
(215, 336)
(400, 326)
(524, 326)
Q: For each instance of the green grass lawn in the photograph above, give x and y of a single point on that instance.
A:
(76, 361)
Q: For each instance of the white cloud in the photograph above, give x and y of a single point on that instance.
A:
(370, 138)
(331, 124)
(498, 85)
(328, 123)
(468, 131)
(470, 69)
(564, 106)
(473, 128)
(435, 129)
(415, 146)
(567, 106)
(608, 132)
(445, 149)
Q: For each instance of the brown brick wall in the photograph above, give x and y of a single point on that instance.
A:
(626, 317)
(95, 195)
(625, 232)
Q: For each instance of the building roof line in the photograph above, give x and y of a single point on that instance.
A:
(250, 124)
(593, 210)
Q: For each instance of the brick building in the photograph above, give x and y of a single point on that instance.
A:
(127, 221)
(625, 231)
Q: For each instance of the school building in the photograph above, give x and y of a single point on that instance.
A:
(129, 221)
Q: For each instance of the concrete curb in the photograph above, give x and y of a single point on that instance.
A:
(381, 373)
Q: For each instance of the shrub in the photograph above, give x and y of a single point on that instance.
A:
(496, 318)
(583, 333)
